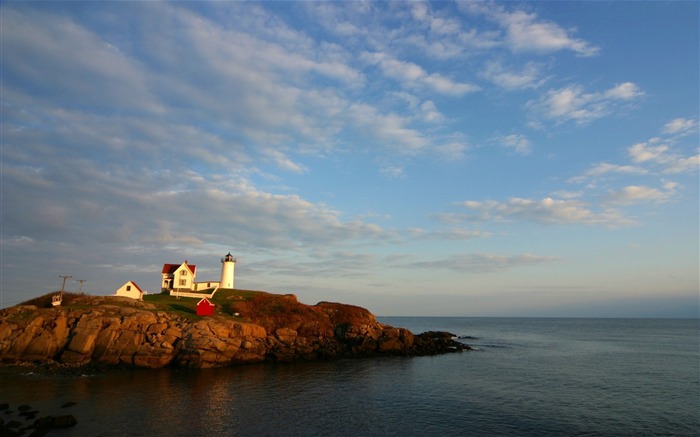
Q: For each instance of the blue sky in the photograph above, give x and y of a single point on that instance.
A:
(468, 158)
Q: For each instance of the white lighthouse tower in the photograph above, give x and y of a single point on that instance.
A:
(228, 264)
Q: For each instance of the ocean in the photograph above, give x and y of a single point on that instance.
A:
(528, 377)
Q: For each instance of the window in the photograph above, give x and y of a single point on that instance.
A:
(128, 288)
(183, 282)
(183, 273)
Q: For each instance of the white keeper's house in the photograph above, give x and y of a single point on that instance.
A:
(182, 277)
(180, 280)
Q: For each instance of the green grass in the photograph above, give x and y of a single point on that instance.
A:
(226, 295)
(187, 306)
(224, 299)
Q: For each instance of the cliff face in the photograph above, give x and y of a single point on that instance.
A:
(122, 331)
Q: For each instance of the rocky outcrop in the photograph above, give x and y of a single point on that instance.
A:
(121, 331)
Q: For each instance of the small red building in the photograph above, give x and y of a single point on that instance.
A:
(205, 308)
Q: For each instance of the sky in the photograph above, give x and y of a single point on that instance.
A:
(413, 158)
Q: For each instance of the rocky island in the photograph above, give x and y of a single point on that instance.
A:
(247, 327)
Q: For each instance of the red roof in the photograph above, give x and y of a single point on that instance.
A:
(135, 285)
(170, 268)
(205, 301)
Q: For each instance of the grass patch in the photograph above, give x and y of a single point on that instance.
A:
(187, 306)
(252, 305)
(45, 300)
(227, 295)
(182, 305)
(184, 309)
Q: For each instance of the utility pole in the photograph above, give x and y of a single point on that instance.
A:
(80, 287)
(57, 299)
(63, 287)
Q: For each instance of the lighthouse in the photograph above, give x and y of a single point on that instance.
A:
(228, 264)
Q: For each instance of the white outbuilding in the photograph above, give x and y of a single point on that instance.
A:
(130, 289)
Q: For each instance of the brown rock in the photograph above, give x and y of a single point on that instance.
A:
(286, 336)
(113, 331)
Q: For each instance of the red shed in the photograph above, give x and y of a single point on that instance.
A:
(205, 308)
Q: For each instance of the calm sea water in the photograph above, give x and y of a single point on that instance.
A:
(530, 377)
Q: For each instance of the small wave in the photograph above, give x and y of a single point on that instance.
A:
(494, 346)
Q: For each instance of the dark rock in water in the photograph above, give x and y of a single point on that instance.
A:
(6, 429)
(7, 432)
(438, 334)
(29, 415)
(24, 408)
(437, 342)
(4, 406)
(45, 424)
(52, 422)
(69, 404)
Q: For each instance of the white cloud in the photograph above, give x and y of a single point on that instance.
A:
(650, 158)
(430, 112)
(481, 263)
(85, 69)
(419, 11)
(452, 150)
(662, 155)
(329, 264)
(547, 210)
(448, 87)
(391, 129)
(643, 152)
(682, 165)
(572, 103)
(680, 126)
(526, 32)
(411, 75)
(634, 194)
(568, 194)
(624, 91)
(282, 161)
(519, 143)
(441, 25)
(453, 234)
(528, 77)
(392, 171)
(604, 168)
(443, 36)
(141, 206)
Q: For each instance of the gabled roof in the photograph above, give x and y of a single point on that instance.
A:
(203, 300)
(170, 268)
(135, 285)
